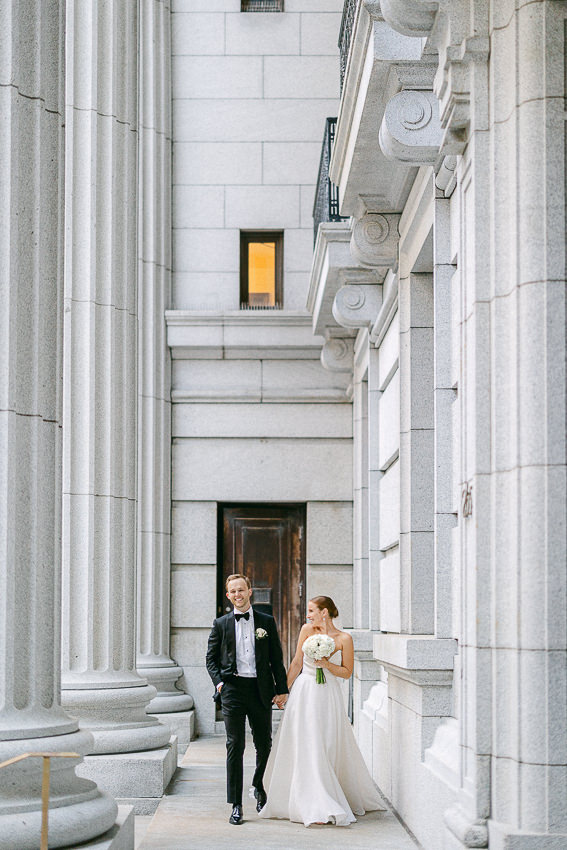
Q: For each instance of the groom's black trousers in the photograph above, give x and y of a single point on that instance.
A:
(240, 700)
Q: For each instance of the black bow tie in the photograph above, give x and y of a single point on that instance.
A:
(238, 617)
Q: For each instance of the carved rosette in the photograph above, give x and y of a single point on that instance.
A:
(374, 240)
(410, 131)
(410, 17)
(337, 355)
(356, 305)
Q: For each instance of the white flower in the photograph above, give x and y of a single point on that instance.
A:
(319, 646)
(261, 633)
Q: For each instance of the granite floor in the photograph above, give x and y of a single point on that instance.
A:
(193, 815)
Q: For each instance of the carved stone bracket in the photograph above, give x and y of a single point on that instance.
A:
(470, 834)
(453, 89)
(374, 240)
(337, 355)
(410, 130)
(356, 305)
(410, 17)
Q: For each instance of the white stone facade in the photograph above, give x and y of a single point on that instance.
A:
(459, 409)
(256, 417)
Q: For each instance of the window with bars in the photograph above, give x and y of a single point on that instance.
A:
(262, 5)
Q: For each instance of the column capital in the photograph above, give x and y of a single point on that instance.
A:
(356, 305)
(375, 237)
(411, 131)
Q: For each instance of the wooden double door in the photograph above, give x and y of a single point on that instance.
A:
(267, 544)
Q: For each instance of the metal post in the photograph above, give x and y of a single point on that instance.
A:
(44, 786)
(45, 802)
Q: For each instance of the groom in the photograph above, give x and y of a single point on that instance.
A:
(244, 660)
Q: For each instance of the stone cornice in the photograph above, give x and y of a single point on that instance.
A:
(242, 334)
(185, 318)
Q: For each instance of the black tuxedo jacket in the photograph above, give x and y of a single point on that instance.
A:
(221, 655)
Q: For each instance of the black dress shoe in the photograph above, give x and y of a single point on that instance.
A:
(236, 817)
(261, 799)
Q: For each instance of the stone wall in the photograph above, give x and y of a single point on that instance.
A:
(256, 417)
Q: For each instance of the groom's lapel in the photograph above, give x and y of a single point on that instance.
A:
(231, 636)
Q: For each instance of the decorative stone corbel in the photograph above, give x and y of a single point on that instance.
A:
(337, 355)
(374, 240)
(470, 834)
(356, 305)
(410, 130)
(452, 87)
(410, 17)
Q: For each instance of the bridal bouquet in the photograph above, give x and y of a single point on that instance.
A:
(317, 647)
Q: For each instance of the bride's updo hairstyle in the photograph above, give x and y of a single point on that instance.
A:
(326, 602)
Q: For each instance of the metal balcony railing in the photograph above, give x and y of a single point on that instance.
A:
(326, 206)
(345, 35)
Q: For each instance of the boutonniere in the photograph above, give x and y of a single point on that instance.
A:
(261, 633)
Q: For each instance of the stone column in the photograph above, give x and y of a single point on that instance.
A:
(528, 429)
(31, 170)
(154, 405)
(100, 683)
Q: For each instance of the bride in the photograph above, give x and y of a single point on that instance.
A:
(316, 773)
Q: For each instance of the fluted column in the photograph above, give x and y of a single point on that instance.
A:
(100, 683)
(31, 168)
(154, 405)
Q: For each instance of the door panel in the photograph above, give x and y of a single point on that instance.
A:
(266, 543)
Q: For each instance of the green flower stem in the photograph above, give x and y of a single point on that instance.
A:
(320, 677)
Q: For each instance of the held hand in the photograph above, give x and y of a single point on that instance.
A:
(280, 700)
(323, 662)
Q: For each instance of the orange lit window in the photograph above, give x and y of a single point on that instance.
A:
(261, 255)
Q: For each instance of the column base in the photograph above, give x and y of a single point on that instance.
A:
(503, 837)
(182, 725)
(168, 697)
(116, 718)
(78, 810)
(119, 837)
(140, 779)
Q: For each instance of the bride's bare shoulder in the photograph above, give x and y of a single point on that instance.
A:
(343, 639)
(306, 631)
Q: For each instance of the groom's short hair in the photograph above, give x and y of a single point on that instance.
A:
(237, 575)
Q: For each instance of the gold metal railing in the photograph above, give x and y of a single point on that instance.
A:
(44, 785)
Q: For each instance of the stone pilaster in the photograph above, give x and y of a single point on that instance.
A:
(31, 171)
(100, 683)
(154, 405)
(417, 581)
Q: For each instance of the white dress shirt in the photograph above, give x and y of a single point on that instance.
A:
(245, 645)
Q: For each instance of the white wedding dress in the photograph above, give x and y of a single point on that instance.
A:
(316, 773)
